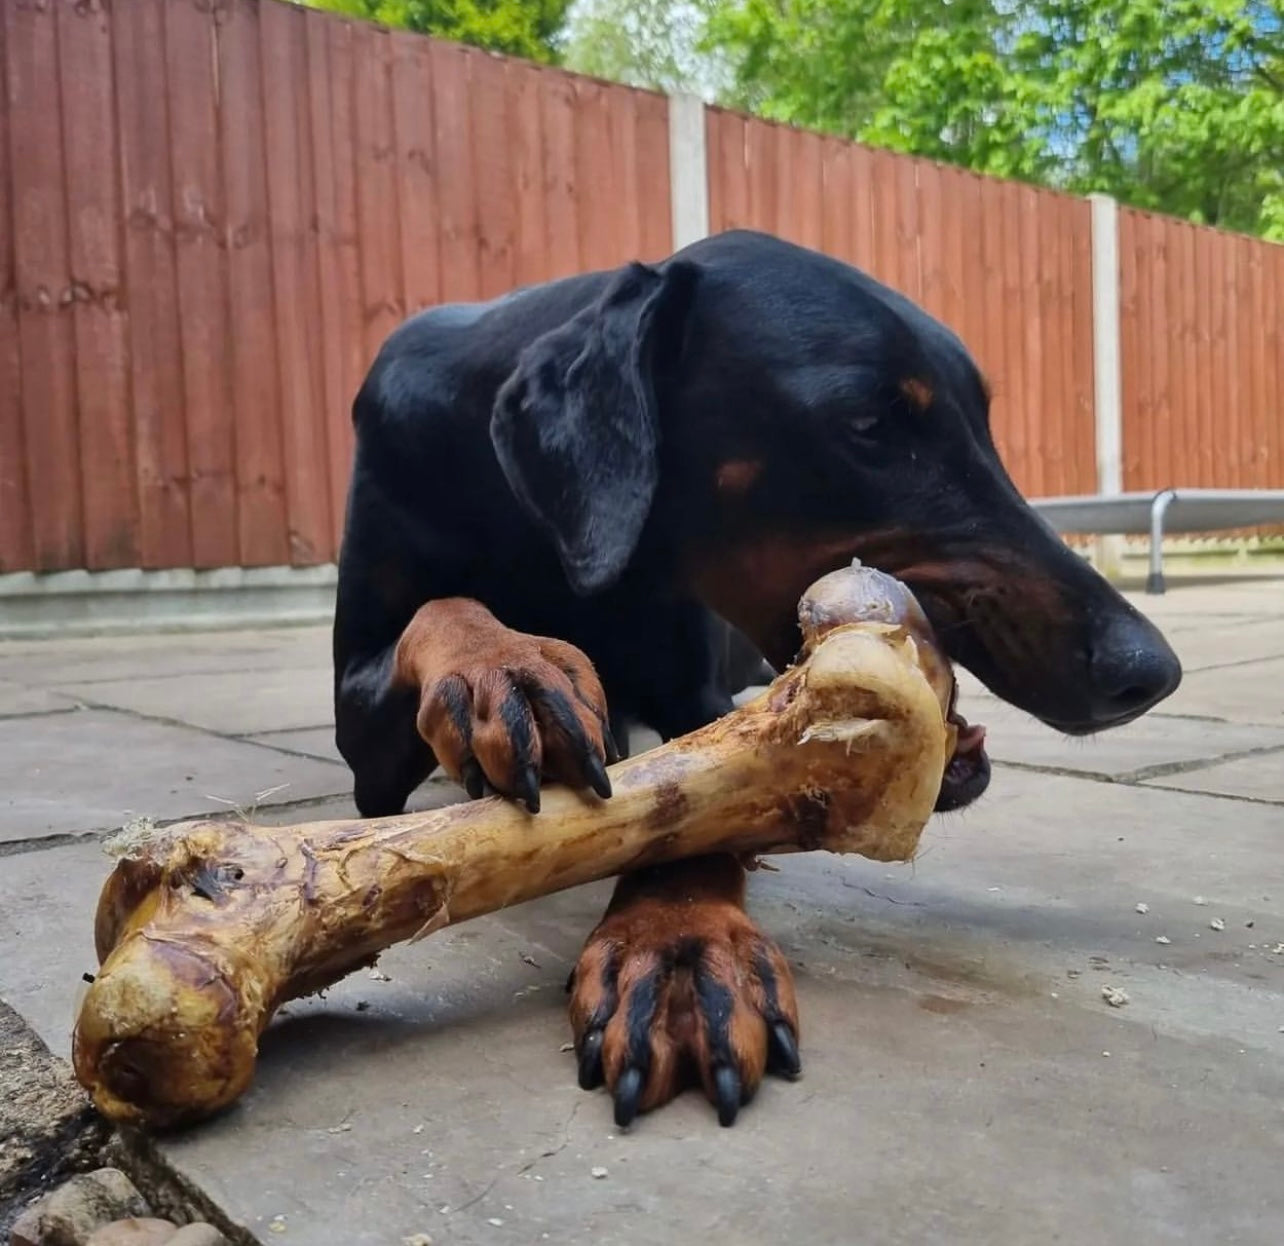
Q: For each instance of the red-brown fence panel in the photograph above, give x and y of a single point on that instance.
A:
(214, 214)
(42, 287)
(1203, 356)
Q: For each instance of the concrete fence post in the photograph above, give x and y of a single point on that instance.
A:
(1107, 368)
(688, 170)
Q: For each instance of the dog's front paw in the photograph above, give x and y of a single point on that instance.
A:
(677, 987)
(502, 709)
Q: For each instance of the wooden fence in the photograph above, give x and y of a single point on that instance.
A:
(213, 211)
(1202, 328)
(219, 210)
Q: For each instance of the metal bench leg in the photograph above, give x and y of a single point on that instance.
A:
(1155, 580)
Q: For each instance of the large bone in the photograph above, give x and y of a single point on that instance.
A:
(203, 930)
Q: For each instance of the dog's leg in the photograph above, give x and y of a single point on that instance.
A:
(678, 987)
(376, 735)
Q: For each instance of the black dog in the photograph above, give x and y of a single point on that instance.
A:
(606, 466)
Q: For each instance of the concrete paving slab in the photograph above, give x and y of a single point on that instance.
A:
(94, 769)
(17, 700)
(1155, 740)
(53, 661)
(1253, 778)
(231, 703)
(1252, 693)
(1229, 642)
(311, 741)
(956, 1086)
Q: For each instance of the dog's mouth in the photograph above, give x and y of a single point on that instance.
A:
(967, 773)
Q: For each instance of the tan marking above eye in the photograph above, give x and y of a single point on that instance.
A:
(918, 392)
(736, 475)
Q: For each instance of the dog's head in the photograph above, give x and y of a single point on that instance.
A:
(762, 414)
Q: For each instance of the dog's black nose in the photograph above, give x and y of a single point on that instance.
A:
(1131, 668)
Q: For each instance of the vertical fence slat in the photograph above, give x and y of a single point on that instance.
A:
(721, 167)
(291, 198)
(837, 199)
(785, 219)
(1085, 480)
(333, 422)
(622, 129)
(974, 278)
(1221, 415)
(1011, 389)
(862, 208)
(760, 151)
(1030, 293)
(653, 176)
(355, 358)
(929, 235)
(954, 188)
(1061, 221)
(1190, 301)
(1147, 421)
(493, 170)
(155, 348)
(1049, 411)
(526, 122)
(1256, 365)
(99, 319)
(1273, 290)
(202, 279)
(43, 285)
(1128, 381)
(909, 260)
(16, 551)
(809, 229)
(560, 181)
(592, 175)
(252, 357)
(992, 306)
(1208, 426)
(1239, 463)
(418, 171)
(375, 170)
(885, 257)
(1179, 340)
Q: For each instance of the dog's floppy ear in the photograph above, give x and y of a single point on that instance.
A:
(576, 428)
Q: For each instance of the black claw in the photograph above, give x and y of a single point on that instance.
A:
(473, 779)
(590, 1072)
(726, 1088)
(528, 788)
(628, 1095)
(782, 1050)
(608, 739)
(596, 775)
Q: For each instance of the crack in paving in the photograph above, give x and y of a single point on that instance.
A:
(42, 843)
(1091, 776)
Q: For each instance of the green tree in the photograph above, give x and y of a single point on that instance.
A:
(528, 28)
(648, 43)
(1176, 105)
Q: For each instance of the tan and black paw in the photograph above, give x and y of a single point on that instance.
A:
(503, 711)
(677, 987)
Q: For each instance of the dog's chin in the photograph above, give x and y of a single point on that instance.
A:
(968, 773)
